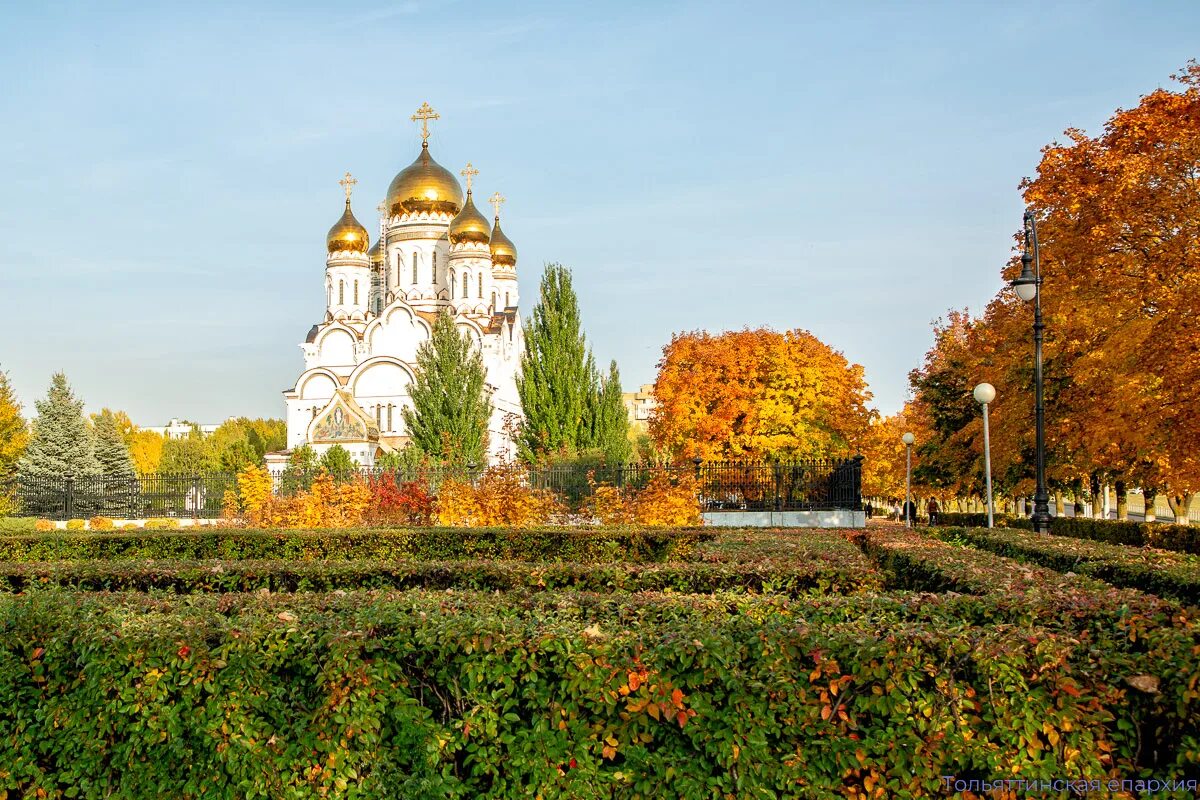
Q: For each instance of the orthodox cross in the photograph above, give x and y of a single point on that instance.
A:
(469, 173)
(347, 184)
(424, 114)
(496, 200)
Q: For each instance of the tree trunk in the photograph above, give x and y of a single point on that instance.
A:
(1080, 504)
(1059, 507)
(1122, 501)
(1180, 503)
(1149, 496)
(1097, 505)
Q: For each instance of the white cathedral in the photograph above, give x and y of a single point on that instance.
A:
(434, 251)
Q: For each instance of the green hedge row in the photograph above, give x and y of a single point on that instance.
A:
(432, 695)
(1024, 592)
(762, 575)
(1164, 574)
(11, 525)
(435, 543)
(1181, 538)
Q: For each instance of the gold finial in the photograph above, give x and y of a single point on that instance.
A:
(469, 173)
(347, 184)
(497, 200)
(424, 114)
(382, 207)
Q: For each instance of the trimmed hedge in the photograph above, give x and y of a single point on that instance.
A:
(17, 525)
(789, 577)
(394, 543)
(1162, 573)
(423, 695)
(1181, 538)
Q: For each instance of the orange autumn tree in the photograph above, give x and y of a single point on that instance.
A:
(757, 394)
(1119, 219)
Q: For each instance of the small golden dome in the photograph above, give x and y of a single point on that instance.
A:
(376, 252)
(424, 186)
(504, 252)
(470, 225)
(347, 234)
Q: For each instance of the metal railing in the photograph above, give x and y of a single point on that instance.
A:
(722, 485)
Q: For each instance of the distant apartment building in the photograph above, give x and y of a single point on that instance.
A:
(640, 405)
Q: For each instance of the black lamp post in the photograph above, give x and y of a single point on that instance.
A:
(1028, 286)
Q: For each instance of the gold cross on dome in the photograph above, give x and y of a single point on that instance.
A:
(469, 173)
(348, 183)
(382, 207)
(424, 114)
(497, 200)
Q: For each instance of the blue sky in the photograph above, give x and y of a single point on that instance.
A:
(170, 169)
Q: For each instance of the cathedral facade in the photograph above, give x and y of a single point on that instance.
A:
(434, 250)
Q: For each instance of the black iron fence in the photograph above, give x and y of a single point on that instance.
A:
(723, 485)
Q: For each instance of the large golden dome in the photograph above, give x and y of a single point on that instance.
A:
(347, 234)
(424, 186)
(470, 225)
(504, 252)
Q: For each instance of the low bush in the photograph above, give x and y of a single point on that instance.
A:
(1163, 573)
(436, 543)
(1181, 538)
(667, 500)
(473, 696)
(100, 524)
(161, 524)
(45, 525)
(11, 525)
(76, 524)
(501, 496)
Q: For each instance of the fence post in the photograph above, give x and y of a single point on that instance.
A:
(68, 496)
(196, 496)
(856, 498)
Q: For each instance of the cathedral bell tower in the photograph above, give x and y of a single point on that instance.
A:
(347, 265)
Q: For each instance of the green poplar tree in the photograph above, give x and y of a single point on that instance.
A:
(338, 462)
(62, 442)
(449, 417)
(557, 381)
(610, 426)
(111, 450)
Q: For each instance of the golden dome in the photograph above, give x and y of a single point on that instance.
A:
(376, 252)
(347, 234)
(424, 186)
(470, 225)
(504, 252)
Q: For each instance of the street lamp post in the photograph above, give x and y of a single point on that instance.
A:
(1028, 286)
(985, 393)
(908, 440)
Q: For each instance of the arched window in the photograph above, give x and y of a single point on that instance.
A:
(414, 268)
(379, 415)
(389, 427)
(493, 301)
(433, 272)
(465, 295)
(328, 293)
(341, 293)
(356, 293)
(481, 286)
(506, 303)
(452, 285)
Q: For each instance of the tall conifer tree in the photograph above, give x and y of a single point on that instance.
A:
(557, 381)
(451, 406)
(61, 443)
(111, 450)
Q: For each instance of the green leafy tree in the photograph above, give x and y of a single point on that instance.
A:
(338, 463)
(451, 407)
(61, 442)
(189, 455)
(237, 455)
(298, 475)
(111, 450)
(408, 460)
(557, 381)
(14, 438)
(610, 420)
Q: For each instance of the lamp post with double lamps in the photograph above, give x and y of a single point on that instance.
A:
(985, 393)
(908, 440)
(1028, 286)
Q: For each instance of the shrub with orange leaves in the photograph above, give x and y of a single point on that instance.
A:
(405, 503)
(501, 496)
(326, 504)
(667, 500)
(255, 492)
